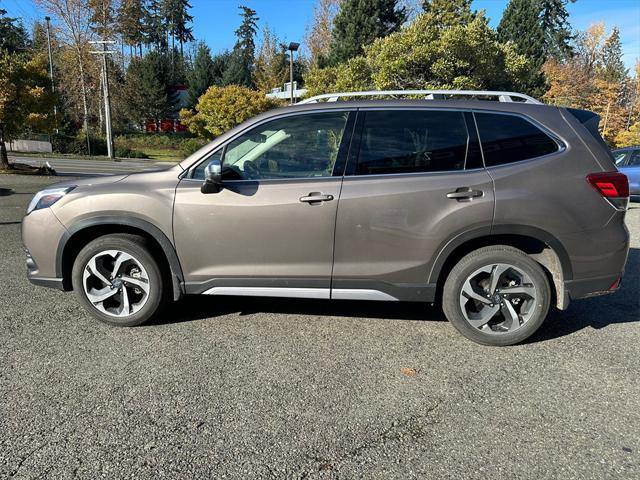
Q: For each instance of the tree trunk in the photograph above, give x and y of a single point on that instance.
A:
(4, 160)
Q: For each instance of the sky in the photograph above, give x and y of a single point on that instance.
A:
(216, 20)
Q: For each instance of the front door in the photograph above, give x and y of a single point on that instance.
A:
(415, 182)
(270, 230)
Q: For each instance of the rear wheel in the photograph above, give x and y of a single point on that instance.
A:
(497, 295)
(118, 281)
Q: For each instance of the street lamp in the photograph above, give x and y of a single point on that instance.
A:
(293, 47)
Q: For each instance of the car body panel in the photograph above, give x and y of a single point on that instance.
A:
(629, 164)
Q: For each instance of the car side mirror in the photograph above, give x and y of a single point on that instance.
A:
(212, 177)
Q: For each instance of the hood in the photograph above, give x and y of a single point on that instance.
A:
(89, 181)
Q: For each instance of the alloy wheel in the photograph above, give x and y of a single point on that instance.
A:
(498, 298)
(116, 283)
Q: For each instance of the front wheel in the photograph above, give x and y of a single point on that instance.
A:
(497, 296)
(118, 281)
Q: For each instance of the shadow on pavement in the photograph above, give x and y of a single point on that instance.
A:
(597, 313)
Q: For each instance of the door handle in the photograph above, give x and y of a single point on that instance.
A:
(465, 194)
(316, 197)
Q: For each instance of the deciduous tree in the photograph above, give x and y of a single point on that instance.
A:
(26, 100)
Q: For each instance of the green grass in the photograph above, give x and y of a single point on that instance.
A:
(163, 154)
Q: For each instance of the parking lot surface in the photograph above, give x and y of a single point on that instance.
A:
(279, 388)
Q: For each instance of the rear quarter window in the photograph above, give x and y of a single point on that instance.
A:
(510, 138)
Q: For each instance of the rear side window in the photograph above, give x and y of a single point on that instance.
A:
(509, 138)
(408, 141)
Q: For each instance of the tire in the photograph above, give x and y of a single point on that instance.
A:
(521, 287)
(146, 291)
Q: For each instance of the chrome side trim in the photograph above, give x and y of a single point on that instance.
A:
(270, 292)
(360, 294)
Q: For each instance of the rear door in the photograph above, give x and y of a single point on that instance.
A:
(414, 181)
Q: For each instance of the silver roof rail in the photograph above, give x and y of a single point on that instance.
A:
(428, 94)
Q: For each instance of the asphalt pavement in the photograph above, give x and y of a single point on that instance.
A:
(278, 388)
(74, 166)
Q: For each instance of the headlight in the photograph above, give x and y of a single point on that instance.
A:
(47, 197)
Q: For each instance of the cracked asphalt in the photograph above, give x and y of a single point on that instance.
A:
(276, 388)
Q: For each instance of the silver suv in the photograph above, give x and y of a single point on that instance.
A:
(497, 210)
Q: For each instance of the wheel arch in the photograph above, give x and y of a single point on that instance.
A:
(84, 231)
(543, 247)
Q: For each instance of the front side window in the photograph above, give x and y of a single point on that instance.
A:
(409, 141)
(298, 146)
(510, 138)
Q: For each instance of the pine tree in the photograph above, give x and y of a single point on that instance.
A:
(146, 88)
(202, 74)
(155, 28)
(521, 24)
(13, 36)
(613, 69)
(177, 18)
(130, 19)
(555, 25)
(102, 17)
(359, 23)
(239, 70)
(449, 13)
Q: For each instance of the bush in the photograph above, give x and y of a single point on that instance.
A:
(123, 152)
(78, 145)
(190, 145)
(221, 108)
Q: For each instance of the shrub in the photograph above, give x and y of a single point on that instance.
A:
(221, 108)
(123, 152)
(190, 145)
(78, 145)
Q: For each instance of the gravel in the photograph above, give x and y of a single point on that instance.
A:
(278, 388)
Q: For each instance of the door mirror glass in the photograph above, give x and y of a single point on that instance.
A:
(212, 177)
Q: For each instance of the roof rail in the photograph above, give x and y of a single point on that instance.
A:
(428, 94)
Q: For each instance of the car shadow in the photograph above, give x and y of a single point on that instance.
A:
(597, 312)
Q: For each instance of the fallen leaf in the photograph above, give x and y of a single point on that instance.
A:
(409, 372)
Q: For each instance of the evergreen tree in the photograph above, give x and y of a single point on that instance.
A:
(178, 20)
(102, 17)
(13, 36)
(556, 27)
(202, 74)
(613, 69)
(239, 70)
(155, 28)
(359, 23)
(521, 24)
(449, 13)
(146, 88)
(130, 18)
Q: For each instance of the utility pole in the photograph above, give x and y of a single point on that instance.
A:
(53, 85)
(105, 92)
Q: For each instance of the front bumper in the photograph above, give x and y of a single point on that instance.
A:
(41, 235)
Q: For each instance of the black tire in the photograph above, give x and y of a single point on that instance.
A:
(497, 254)
(135, 246)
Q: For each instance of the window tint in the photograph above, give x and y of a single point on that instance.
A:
(509, 138)
(412, 141)
(292, 147)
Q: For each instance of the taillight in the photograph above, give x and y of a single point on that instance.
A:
(610, 184)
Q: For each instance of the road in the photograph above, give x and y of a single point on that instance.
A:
(71, 166)
(277, 388)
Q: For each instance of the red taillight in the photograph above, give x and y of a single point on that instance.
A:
(615, 284)
(610, 184)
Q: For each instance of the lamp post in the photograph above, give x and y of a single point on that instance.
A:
(53, 85)
(293, 47)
